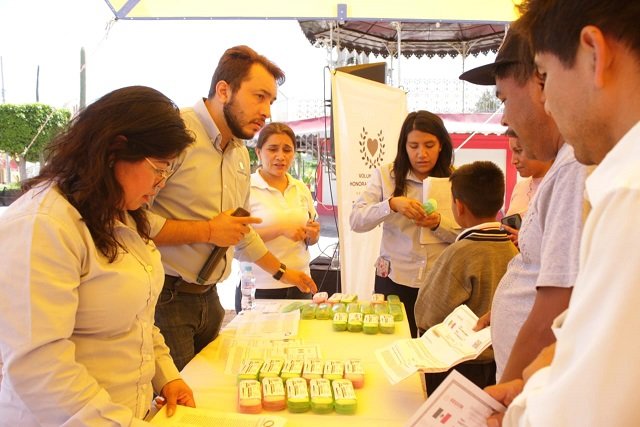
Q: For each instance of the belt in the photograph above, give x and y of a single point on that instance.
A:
(175, 283)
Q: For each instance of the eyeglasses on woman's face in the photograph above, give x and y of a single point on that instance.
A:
(163, 174)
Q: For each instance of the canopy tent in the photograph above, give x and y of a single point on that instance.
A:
(487, 11)
(401, 27)
(416, 38)
(425, 27)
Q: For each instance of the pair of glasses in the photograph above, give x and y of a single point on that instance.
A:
(163, 174)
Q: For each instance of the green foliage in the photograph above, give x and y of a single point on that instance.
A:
(19, 123)
(304, 170)
(307, 172)
(10, 186)
(253, 159)
(487, 103)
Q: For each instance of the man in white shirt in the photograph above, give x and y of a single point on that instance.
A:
(588, 55)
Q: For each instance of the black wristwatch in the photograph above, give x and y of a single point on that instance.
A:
(278, 274)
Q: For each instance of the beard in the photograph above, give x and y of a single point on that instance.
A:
(230, 115)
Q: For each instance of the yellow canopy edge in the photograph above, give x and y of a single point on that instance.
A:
(431, 10)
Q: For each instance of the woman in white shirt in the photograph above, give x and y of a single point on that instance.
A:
(285, 206)
(81, 280)
(393, 198)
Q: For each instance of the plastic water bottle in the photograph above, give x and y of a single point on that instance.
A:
(335, 260)
(248, 288)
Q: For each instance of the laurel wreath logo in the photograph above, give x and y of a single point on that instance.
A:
(372, 149)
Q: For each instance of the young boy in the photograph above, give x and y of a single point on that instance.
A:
(469, 270)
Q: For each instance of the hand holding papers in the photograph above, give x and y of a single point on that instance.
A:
(456, 402)
(443, 346)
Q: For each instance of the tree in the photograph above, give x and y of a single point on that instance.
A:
(487, 103)
(19, 124)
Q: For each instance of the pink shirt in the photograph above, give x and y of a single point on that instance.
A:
(522, 194)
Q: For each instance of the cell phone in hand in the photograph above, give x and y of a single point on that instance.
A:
(240, 212)
(513, 221)
(217, 253)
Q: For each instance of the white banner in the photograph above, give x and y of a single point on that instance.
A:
(367, 117)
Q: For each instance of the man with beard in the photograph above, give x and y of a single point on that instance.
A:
(210, 180)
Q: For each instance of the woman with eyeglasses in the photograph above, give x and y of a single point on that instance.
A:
(81, 276)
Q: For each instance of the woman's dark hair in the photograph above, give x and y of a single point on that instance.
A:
(234, 66)
(275, 128)
(127, 124)
(428, 122)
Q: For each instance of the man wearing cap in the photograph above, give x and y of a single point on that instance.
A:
(538, 283)
(588, 51)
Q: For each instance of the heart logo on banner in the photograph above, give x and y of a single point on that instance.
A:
(371, 149)
(372, 146)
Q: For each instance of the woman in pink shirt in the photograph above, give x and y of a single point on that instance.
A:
(532, 171)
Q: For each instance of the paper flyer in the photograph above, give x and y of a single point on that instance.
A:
(443, 346)
(457, 402)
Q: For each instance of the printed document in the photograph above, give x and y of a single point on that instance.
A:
(457, 402)
(440, 348)
(266, 324)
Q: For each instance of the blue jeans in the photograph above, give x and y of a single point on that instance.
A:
(188, 322)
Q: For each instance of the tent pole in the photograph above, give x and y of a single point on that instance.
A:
(2, 76)
(465, 49)
(398, 26)
(330, 61)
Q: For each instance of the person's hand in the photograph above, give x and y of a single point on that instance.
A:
(483, 321)
(410, 208)
(227, 230)
(175, 392)
(513, 236)
(544, 358)
(300, 280)
(503, 393)
(312, 231)
(294, 232)
(431, 221)
(495, 419)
